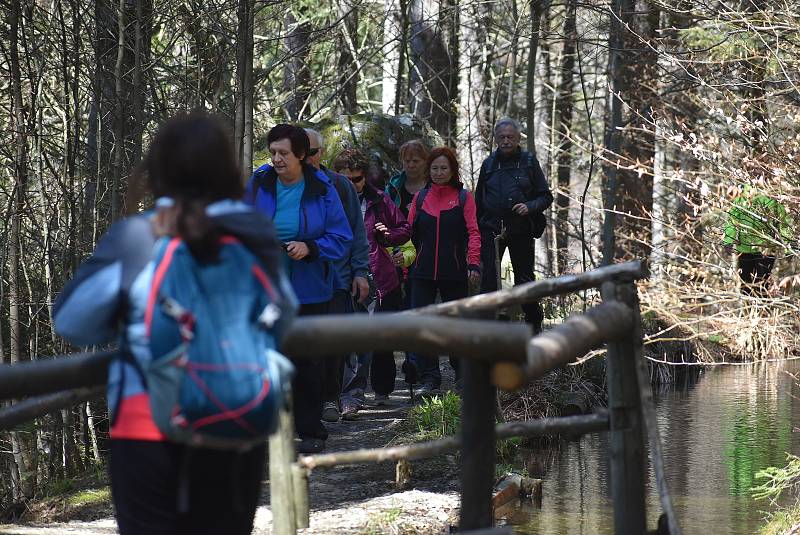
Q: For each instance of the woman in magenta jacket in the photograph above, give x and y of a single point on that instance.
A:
(386, 227)
(445, 234)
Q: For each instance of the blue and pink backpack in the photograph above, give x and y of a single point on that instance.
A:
(216, 378)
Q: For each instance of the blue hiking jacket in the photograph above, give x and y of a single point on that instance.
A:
(323, 228)
(106, 299)
(356, 262)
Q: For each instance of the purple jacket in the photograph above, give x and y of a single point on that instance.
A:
(381, 209)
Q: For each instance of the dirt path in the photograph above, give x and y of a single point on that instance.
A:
(349, 499)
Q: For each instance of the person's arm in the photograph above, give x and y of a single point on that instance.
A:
(479, 187)
(88, 310)
(398, 229)
(359, 250)
(332, 245)
(474, 240)
(541, 196)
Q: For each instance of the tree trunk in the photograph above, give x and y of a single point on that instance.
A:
(243, 121)
(473, 128)
(297, 76)
(631, 151)
(395, 42)
(432, 79)
(348, 63)
(530, 87)
(564, 107)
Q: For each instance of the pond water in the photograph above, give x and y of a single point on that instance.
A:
(717, 431)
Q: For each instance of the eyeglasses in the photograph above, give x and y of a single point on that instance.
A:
(313, 151)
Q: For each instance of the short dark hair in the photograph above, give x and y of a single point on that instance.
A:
(448, 153)
(296, 136)
(191, 159)
(351, 159)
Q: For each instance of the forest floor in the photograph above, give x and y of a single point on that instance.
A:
(358, 499)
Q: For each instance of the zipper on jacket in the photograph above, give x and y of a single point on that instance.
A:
(436, 250)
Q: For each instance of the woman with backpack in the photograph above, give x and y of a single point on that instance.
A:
(314, 232)
(161, 482)
(448, 243)
(386, 227)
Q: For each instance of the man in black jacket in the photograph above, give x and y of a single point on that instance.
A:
(512, 195)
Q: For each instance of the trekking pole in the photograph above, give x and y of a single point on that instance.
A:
(498, 261)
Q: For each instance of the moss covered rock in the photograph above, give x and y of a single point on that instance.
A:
(378, 135)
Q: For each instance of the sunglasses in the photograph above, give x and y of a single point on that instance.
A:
(313, 151)
(357, 179)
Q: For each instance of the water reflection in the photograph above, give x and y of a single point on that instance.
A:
(717, 432)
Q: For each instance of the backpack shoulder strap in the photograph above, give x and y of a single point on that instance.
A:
(421, 198)
(462, 197)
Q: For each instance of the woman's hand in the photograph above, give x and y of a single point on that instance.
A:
(398, 258)
(297, 250)
(474, 276)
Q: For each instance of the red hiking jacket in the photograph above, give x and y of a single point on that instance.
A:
(445, 234)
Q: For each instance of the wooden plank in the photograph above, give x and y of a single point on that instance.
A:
(302, 511)
(45, 376)
(321, 336)
(574, 425)
(525, 293)
(31, 408)
(281, 485)
(626, 445)
(477, 446)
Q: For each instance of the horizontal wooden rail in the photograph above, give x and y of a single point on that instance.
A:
(574, 425)
(28, 409)
(565, 343)
(525, 293)
(484, 340)
(308, 336)
(44, 376)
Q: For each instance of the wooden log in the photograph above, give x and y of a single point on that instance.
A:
(525, 293)
(565, 343)
(302, 510)
(45, 376)
(313, 336)
(626, 445)
(36, 407)
(651, 423)
(281, 484)
(577, 425)
(477, 446)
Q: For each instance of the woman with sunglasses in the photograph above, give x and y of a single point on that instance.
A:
(386, 227)
(311, 224)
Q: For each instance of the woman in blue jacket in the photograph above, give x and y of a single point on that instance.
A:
(314, 231)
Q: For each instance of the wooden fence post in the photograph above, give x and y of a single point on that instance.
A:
(626, 448)
(281, 487)
(477, 442)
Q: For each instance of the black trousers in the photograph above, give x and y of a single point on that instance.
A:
(219, 489)
(520, 247)
(308, 386)
(342, 303)
(754, 270)
(423, 293)
(383, 371)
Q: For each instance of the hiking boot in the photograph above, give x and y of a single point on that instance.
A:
(310, 445)
(330, 412)
(349, 411)
(381, 399)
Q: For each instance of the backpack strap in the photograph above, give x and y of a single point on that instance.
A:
(462, 198)
(419, 202)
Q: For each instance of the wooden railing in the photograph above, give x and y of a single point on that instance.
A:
(492, 354)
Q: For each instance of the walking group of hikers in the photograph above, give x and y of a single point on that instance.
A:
(199, 290)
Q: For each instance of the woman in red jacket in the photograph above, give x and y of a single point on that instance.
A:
(445, 234)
